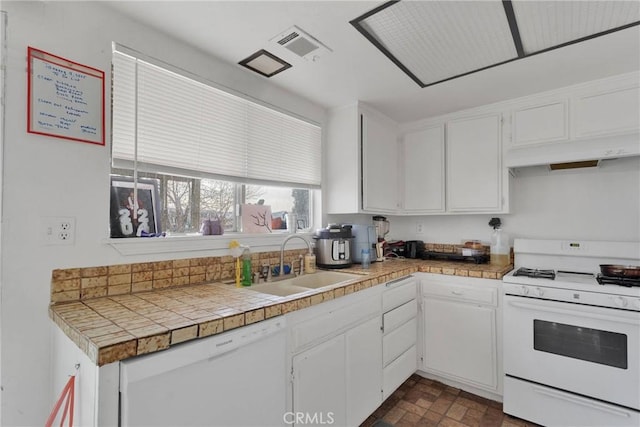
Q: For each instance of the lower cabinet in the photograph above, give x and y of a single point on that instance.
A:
(336, 361)
(319, 382)
(461, 331)
(363, 370)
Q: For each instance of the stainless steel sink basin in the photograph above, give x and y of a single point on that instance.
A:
(295, 285)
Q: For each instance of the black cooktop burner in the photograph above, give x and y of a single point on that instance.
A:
(622, 281)
(539, 274)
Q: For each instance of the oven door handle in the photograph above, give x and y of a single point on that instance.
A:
(630, 318)
(582, 402)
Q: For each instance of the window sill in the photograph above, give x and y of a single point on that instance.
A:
(217, 244)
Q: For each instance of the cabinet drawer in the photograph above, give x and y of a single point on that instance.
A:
(463, 293)
(397, 342)
(398, 295)
(332, 323)
(396, 317)
(398, 371)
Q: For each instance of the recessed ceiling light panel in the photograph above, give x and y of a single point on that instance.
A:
(435, 41)
(265, 63)
(546, 24)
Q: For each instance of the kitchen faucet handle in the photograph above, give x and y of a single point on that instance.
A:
(265, 272)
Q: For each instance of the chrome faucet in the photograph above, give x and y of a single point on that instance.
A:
(282, 251)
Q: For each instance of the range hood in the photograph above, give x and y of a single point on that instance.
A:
(574, 151)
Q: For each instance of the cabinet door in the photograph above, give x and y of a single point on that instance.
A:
(319, 383)
(460, 342)
(541, 123)
(474, 164)
(616, 111)
(364, 370)
(423, 170)
(379, 165)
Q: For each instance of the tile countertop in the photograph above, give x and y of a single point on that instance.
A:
(114, 328)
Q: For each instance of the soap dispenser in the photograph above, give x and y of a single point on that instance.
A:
(246, 267)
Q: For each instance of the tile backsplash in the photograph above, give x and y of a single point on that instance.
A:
(77, 284)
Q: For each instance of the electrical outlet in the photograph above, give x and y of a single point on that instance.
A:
(58, 230)
(420, 228)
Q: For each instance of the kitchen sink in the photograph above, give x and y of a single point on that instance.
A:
(320, 279)
(281, 289)
(304, 283)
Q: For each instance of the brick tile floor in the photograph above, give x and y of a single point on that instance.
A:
(423, 402)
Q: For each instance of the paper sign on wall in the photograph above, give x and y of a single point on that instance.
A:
(65, 99)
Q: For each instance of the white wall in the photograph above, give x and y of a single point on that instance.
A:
(591, 204)
(45, 176)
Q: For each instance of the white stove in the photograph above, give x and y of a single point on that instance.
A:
(575, 266)
(571, 344)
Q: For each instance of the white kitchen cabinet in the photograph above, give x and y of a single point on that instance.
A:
(541, 122)
(361, 171)
(363, 361)
(590, 121)
(379, 163)
(474, 164)
(319, 386)
(461, 331)
(336, 359)
(423, 177)
(607, 109)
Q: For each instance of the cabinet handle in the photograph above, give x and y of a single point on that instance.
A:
(391, 282)
(457, 293)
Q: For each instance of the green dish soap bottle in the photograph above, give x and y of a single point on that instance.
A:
(246, 267)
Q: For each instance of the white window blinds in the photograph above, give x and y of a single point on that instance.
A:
(190, 128)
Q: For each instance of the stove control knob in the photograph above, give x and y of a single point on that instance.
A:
(539, 292)
(620, 301)
(524, 290)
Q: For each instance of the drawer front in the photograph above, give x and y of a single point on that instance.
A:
(396, 317)
(332, 323)
(397, 342)
(399, 295)
(463, 293)
(398, 371)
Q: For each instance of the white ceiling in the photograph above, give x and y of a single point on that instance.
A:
(356, 70)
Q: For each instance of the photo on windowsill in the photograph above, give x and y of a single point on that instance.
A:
(134, 216)
(256, 219)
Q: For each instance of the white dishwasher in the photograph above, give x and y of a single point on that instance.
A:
(236, 378)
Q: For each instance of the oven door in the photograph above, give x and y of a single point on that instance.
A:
(588, 350)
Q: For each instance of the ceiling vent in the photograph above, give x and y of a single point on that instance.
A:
(301, 43)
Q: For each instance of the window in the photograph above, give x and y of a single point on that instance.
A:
(210, 149)
(186, 202)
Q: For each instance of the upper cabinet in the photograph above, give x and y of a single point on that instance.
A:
(454, 166)
(379, 140)
(423, 166)
(591, 121)
(608, 109)
(459, 162)
(543, 122)
(361, 175)
(474, 164)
